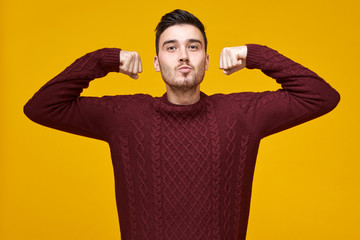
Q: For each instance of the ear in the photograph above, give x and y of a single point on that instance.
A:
(156, 64)
(207, 62)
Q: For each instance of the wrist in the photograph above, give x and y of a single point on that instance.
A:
(254, 55)
(110, 59)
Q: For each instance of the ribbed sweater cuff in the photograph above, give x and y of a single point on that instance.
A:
(255, 56)
(111, 59)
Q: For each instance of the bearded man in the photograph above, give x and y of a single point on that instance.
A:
(184, 162)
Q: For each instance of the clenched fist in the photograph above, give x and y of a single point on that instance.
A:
(233, 59)
(130, 64)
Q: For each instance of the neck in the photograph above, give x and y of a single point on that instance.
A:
(183, 97)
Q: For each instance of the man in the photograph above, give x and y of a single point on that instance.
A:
(183, 162)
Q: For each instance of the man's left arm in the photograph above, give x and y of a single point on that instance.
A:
(304, 95)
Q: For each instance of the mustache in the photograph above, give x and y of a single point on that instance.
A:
(184, 64)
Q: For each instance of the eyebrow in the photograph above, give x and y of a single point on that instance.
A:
(191, 40)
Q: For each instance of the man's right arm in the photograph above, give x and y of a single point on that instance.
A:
(58, 103)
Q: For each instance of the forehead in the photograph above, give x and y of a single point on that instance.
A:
(181, 32)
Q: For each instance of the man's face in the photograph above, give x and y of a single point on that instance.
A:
(182, 59)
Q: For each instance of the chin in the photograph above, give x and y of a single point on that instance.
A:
(185, 82)
(183, 85)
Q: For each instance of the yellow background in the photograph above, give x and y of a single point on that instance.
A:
(55, 185)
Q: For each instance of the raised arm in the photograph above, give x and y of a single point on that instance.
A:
(58, 103)
(304, 95)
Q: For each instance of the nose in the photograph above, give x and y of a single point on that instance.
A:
(183, 56)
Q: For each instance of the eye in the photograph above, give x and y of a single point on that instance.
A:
(171, 48)
(193, 47)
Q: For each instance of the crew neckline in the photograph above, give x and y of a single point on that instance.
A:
(165, 104)
(165, 99)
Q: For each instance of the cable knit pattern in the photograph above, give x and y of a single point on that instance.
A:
(155, 157)
(129, 182)
(240, 182)
(182, 172)
(142, 173)
(186, 181)
(229, 160)
(215, 143)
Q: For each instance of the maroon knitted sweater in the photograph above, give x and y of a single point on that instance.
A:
(182, 172)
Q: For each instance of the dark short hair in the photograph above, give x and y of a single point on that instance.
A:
(175, 17)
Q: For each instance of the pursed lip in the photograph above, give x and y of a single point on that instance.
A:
(184, 68)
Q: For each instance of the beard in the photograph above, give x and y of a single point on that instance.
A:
(182, 82)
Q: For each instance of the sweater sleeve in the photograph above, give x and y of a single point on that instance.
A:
(58, 103)
(303, 96)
